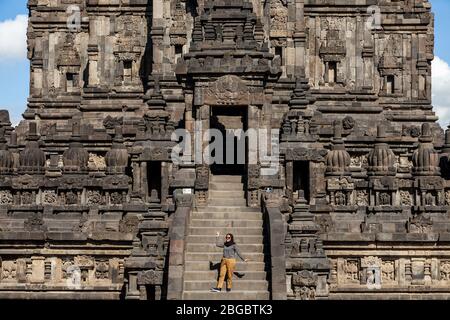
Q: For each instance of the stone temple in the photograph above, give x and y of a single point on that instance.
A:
(93, 205)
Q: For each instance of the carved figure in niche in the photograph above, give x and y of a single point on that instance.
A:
(405, 198)
(361, 198)
(102, 270)
(351, 270)
(429, 199)
(71, 198)
(444, 270)
(340, 199)
(388, 271)
(27, 198)
(447, 198)
(385, 199)
(9, 269)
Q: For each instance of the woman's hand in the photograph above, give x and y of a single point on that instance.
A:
(246, 260)
(217, 234)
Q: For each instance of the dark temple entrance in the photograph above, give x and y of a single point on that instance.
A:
(230, 121)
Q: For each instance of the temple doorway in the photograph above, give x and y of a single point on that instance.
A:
(232, 123)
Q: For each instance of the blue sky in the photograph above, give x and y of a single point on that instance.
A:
(14, 68)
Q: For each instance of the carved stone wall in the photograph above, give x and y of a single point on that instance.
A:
(90, 167)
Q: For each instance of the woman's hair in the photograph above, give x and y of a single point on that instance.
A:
(231, 242)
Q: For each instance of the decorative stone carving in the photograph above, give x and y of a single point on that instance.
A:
(112, 123)
(324, 223)
(340, 199)
(49, 197)
(202, 181)
(28, 198)
(430, 199)
(102, 269)
(96, 162)
(351, 271)
(348, 123)
(387, 271)
(9, 270)
(384, 199)
(6, 197)
(150, 277)
(129, 224)
(362, 199)
(304, 284)
(447, 198)
(286, 65)
(405, 198)
(228, 90)
(420, 224)
(116, 198)
(444, 270)
(71, 198)
(355, 162)
(94, 197)
(370, 261)
(34, 223)
(278, 19)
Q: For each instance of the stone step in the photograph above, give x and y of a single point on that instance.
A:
(226, 178)
(211, 239)
(240, 266)
(233, 295)
(202, 275)
(215, 194)
(225, 223)
(232, 216)
(239, 285)
(205, 231)
(206, 247)
(231, 202)
(221, 186)
(216, 208)
(216, 257)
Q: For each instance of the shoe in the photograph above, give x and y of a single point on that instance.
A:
(228, 289)
(239, 274)
(215, 290)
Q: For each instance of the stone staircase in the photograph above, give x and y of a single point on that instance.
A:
(226, 213)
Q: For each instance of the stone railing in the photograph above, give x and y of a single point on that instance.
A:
(178, 235)
(274, 230)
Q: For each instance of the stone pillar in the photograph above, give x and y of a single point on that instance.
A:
(299, 37)
(317, 181)
(157, 34)
(290, 181)
(164, 182)
(177, 234)
(93, 80)
(144, 181)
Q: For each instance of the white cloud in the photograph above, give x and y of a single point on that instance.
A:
(13, 38)
(441, 90)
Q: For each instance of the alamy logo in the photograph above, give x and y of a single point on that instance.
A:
(235, 146)
(374, 20)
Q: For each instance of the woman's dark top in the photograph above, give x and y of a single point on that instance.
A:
(229, 252)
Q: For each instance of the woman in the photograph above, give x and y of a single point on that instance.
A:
(230, 251)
